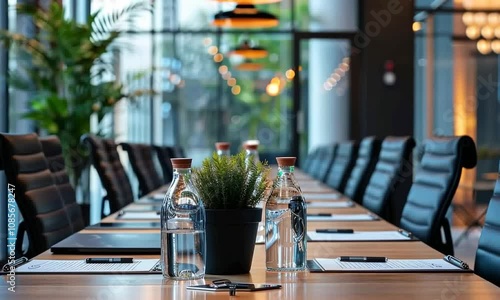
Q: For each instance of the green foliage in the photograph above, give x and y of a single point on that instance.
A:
(226, 182)
(70, 74)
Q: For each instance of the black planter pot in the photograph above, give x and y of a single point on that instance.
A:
(231, 235)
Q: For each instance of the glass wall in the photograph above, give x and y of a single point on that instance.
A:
(203, 94)
(457, 88)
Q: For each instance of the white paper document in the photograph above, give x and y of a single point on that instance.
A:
(157, 196)
(139, 215)
(321, 196)
(347, 217)
(80, 266)
(392, 265)
(336, 204)
(358, 236)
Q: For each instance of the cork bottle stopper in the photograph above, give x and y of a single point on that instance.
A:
(222, 145)
(250, 146)
(286, 161)
(181, 163)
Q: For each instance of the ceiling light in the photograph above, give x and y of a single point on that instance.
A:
(249, 65)
(247, 51)
(245, 16)
(249, 1)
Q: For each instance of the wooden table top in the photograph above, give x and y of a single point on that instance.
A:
(298, 285)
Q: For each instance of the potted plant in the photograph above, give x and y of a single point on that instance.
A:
(230, 188)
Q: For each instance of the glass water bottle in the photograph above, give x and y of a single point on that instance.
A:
(223, 148)
(251, 152)
(286, 223)
(183, 248)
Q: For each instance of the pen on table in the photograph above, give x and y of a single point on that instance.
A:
(363, 258)
(334, 230)
(456, 262)
(406, 233)
(320, 215)
(106, 260)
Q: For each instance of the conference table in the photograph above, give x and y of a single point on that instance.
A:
(295, 285)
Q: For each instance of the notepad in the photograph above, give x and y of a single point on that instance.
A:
(346, 217)
(81, 267)
(358, 236)
(321, 196)
(392, 265)
(138, 215)
(336, 204)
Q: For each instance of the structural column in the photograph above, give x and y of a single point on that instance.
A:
(328, 109)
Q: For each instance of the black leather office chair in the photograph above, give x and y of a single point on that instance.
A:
(310, 158)
(141, 159)
(487, 264)
(323, 162)
(390, 182)
(365, 165)
(45, 219)
(342, 164)
(433, 189)
(53, 152)
(164, 154)
(106, 161)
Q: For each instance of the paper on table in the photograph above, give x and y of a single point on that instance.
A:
(157, 196)
(139, 215)
(336, 204)
(392, 265)
(358, 236)
(321, 196)
(347, 217)
(80, 266)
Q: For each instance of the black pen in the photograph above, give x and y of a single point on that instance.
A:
(456, 262)
(363, 258)
(406, 233)
(319, 215)
(105, 260)
(334, 230)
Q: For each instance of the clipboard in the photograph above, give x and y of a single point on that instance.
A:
(80, 267)
(334, 265)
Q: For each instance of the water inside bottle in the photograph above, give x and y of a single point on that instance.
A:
(184, 259)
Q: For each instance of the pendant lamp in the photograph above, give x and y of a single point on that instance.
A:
(249, 1)
(247, 51)
(249, 66)
(245, 16)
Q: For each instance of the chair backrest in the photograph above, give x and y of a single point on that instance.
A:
(390, 182)
(367, 158)
(487, 261)
(308, 161)
(343, 162)
(141, 159)
(38, 198)
(164, 154)
(106, 161)
(53, 152)
(323, 162)
(433, 189)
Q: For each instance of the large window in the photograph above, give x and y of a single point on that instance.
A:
(204, 95)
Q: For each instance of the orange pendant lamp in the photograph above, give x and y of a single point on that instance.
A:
(245, 16)
(249, 1)
(249, 66)
(247, 51)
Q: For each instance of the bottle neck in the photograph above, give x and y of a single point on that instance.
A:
(285, 170)
(221, 152)
(182, 172)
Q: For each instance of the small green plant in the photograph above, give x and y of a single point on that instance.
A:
(226, 182)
